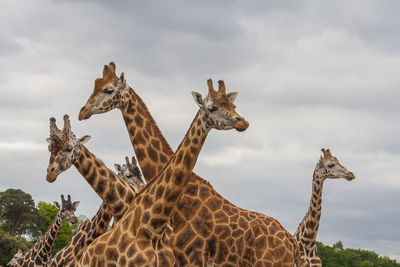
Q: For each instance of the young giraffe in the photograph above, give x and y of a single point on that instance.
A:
(306, 234)
(40, 253)
(88, 231)
(66, 150)
(136, 240)
(206, 226)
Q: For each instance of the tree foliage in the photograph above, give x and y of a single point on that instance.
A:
(49, 211)
(18, 215)
(9, 245)
(337, 255)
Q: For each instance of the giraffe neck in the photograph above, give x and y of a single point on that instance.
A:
(306, 233)
(160, 196)
(48, 240)
(88, 231)
(115, 192)
(151, 148)
(99, 223)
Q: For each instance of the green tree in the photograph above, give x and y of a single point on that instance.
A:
(9, 245)
(18, 214)
(49, 211)
(338, 246)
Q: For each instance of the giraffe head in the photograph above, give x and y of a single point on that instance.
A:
(64, 148)
(14, 260)
(109, 92)
(67, 209)
(217, 109)
(130, 172)
(329, 167)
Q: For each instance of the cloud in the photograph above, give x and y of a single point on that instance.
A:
(21, 146)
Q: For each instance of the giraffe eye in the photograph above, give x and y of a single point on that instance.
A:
(213, 108)
(108, 91)
(331, 165)
(68, 149)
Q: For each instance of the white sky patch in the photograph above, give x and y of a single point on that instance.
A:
(223, 158)
(20, 146)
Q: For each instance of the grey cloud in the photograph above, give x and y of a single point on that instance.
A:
(309, 75)
(8, 47)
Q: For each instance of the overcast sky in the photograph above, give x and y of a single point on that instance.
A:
(310, 74)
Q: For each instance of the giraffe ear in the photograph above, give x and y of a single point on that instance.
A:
(76, 204)
(198, 99)
(118, 167)
(232, 96)
(83, 139)
(19, 251)
(56, 204)
(48, 140)
(122, 80)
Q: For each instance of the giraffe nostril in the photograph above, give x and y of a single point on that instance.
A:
(83, 108)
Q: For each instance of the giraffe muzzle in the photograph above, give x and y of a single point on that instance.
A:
(350, 176)
(84, 114)
(241, 125)
(51, 177)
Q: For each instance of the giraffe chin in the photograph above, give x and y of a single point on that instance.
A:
(51, 177)
(241, 126)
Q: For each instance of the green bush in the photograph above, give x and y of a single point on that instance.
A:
(339, 256)
(9, 245)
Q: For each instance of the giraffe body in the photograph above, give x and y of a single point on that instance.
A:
(229, 235)
(137, 239)
(40, 253)
(131, 173)
(93, 228)
(71, 254)
(306, 234)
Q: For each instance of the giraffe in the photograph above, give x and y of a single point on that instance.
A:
(14, 260)
(136, 240)
(306, 234)
(131, 173)
(93, 228)
(67, 150)
(40, 253)
(88, 231)
(207, 228)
